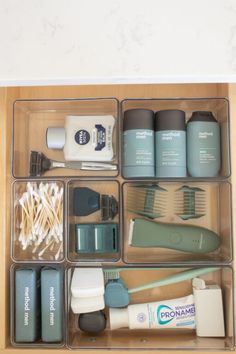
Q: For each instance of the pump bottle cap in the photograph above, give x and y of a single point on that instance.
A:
(56, 138)
(119, 318)
(202, 116)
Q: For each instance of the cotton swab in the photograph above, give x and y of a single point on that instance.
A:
(39, 219)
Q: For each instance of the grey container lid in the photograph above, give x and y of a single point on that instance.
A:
(138, 119)
(56, 138)
(170, 119)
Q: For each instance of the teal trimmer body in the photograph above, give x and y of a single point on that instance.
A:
(186, 238)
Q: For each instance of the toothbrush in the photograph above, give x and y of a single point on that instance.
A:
(118, 296)
(173, 279)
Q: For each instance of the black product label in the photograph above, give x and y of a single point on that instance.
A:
(101, 137)
(82, 137)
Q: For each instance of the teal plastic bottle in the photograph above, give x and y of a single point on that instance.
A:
(203, 145)
(138, 143)
(170, 142)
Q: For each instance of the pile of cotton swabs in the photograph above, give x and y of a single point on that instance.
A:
(40, 219)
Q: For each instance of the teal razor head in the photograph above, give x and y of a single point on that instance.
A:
(185, 238)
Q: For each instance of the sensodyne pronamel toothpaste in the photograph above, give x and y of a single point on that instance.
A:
(175, 313)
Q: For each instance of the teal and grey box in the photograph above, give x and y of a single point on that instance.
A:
(26, 305)
(52, 304)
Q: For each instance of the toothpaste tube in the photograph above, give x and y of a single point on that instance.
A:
(175, 313)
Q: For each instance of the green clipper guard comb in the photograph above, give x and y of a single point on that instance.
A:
(185, 238)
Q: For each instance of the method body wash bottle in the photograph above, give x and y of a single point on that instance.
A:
(203, 145)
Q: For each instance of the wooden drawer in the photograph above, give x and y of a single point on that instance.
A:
(9, 95)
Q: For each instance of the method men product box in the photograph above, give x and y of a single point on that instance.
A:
(26, 305)
(51, 304)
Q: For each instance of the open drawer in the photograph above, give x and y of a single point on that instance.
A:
(221, 190)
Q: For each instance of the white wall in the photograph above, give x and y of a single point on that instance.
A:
(83, 41)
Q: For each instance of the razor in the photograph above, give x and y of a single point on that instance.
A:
(39, 164)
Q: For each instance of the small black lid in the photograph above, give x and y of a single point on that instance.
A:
(202, 116)
(170, 119)
(93, 322)
(138, 119)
